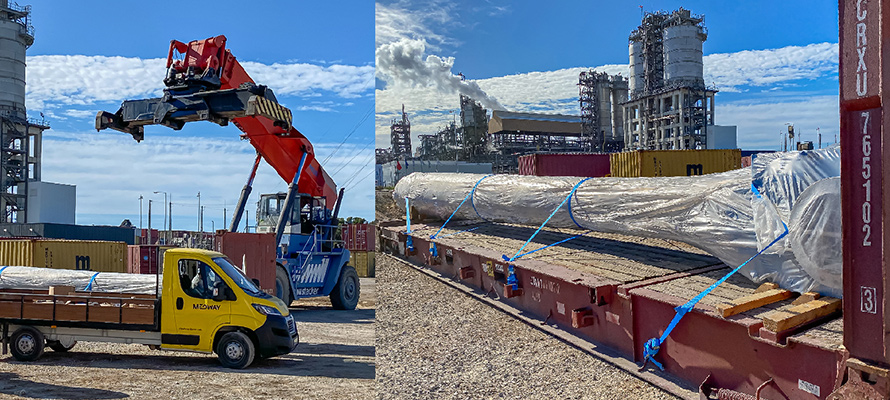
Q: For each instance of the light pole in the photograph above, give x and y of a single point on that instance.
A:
(790, 135)
(148, 236)
(140, 213)
(165, 212)
(199, 210)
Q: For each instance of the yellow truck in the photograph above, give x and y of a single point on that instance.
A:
(206, 305)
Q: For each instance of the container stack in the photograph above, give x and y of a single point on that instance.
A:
(359, 239)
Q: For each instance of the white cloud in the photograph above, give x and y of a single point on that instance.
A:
(84, 80)
(110, 182)
(402, 64)
(79, 113)
(729, 71)
(394, 23)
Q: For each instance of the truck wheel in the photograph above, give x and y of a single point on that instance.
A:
(59, 347)
(346, 292)
(235, 350)
(27, 344)
(282, 286)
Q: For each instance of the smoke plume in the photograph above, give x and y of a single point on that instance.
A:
(402, 63)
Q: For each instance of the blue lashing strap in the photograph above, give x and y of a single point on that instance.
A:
(650, 349)
(90, 284)
(511, 277)
(433, 249)
(409, 244)
(469, 195)
(2, 268)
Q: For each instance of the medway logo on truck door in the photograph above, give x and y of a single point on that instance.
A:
(205, 307)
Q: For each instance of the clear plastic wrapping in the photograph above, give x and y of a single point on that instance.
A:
(718, 213)
(43, 278)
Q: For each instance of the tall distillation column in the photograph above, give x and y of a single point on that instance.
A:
(20, 138)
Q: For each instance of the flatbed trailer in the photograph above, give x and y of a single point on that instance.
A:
(620, 291)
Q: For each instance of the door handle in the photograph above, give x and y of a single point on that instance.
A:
(179, 303)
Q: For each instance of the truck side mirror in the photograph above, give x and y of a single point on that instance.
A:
(219, 294)
(229, 293)
(256, 282)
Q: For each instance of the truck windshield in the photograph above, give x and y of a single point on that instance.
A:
(233, 272)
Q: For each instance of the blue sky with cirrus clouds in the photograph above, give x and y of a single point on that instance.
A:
(316, 57)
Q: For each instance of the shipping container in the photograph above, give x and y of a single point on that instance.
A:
(144, 236)
(359, 237)
(254, 253)
(651, 163)
(65, 254)
(363, 262)
(145, 259)
(565, 164)
(69, 232)
(746, 161)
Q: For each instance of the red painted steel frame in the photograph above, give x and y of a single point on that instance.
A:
(624, 317)
(863, 123)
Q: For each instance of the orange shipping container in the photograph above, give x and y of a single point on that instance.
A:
(652, 163)
(87, 255)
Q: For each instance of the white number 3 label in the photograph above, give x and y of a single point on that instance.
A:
(869, 294)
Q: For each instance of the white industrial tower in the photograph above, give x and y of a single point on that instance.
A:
(20, 137)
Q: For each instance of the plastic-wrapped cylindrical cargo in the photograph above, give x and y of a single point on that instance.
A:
(718, 213)
(43, 278)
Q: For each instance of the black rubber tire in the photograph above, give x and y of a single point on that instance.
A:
(235, 350)
(282, 286)
(346, 293)
(58, 346)
(27, 344)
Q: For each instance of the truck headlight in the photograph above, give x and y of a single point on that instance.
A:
(266, 310)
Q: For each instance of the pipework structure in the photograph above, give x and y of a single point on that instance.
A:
(602, 116)
(670, 107)
(400, 136)
(446, 144)
(20, 137)
(474, 128)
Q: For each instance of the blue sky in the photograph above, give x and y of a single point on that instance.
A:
(91, 55)
(774, 62)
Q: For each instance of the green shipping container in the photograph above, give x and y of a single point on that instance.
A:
(652, 163)
(89, 255)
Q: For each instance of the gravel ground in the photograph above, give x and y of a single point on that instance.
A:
(434, 342)
(334, 361)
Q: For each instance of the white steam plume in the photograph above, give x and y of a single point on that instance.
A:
(401, 63)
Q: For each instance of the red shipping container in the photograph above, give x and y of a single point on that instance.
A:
(565, 164)
(142, 259)
(144, 236)
(359, 237)
(746, 161)
(254, 253)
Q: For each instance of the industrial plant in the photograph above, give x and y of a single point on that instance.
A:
(663, 104)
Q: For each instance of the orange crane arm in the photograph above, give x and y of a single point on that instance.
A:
(205, 82)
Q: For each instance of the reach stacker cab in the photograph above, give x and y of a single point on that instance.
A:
(311, 261)
(205, 304)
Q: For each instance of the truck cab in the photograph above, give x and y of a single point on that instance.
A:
(208, 298)
(205, 304)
